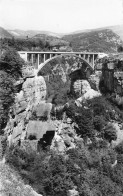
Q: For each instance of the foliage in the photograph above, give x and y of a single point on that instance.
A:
(120, 48)
(110, 133)
(57, 90)
(92, 120)
(98, 41)
(6, 97)
(15, 62)
(24, 44)
(83, 118)
(89, 171)
(119, 148)
(10, 71)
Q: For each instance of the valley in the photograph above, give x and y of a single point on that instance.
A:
(61, 128)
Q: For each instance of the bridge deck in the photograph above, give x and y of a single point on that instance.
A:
(51, 52)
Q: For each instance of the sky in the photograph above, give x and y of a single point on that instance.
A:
(60, 16)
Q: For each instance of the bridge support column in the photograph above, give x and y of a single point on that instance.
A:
(38, 61)
(93, 61)
(50, 56)
(88, 57)
(26, 56)
(84, 56)
(44, 57)
(32, 59)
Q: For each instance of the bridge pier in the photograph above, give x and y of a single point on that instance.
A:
(38, 60)
(32, 59)
(44, 57)
(88, 59)
(50, 56)
(93, 61)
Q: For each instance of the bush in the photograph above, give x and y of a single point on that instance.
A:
(14, 60)
(83, 118)
(110, 133)
(119, 148)
(6, 97)
(89, 171)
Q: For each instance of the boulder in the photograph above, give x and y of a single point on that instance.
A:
(87, 93)
(58, 143)
(73, 192)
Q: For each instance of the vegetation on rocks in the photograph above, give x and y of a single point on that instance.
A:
(88, 167)
(10, 71)
(88, 170)
(24, 44)
(98, 41)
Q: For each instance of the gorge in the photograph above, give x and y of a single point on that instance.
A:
(62, 131)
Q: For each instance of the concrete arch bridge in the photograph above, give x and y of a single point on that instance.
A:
(40, 59)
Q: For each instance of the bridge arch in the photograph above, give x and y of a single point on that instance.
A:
(62, 55)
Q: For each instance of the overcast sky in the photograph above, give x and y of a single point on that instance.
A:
(61, 16)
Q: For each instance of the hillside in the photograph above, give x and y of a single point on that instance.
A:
(105, 39)
(30, 33)
(118, 30)
(53, 40)
(99, 41)
(4, 33)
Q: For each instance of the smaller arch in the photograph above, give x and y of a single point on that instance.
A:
(55, 57)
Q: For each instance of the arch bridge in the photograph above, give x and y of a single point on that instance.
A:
(39, 59)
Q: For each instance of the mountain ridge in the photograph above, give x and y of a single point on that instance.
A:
(99, 40)
(118, 29)
(4, 33)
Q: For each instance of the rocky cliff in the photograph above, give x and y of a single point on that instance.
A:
(33, 91)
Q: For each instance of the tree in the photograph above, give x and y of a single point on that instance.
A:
(83, 118)
(120, 48)
(110, 133)
(6, 97)
(14, 60)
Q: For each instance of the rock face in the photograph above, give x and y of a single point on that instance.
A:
(65, 137)
(32, 93)
(86, 92)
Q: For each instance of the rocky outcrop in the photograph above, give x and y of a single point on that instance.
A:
(73, 192)
(65, 136)
(86, 93)
(32, 93)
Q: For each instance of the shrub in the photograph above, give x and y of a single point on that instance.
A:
(110, 133)
(6, 97)
(119, 148)
(14, 60)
